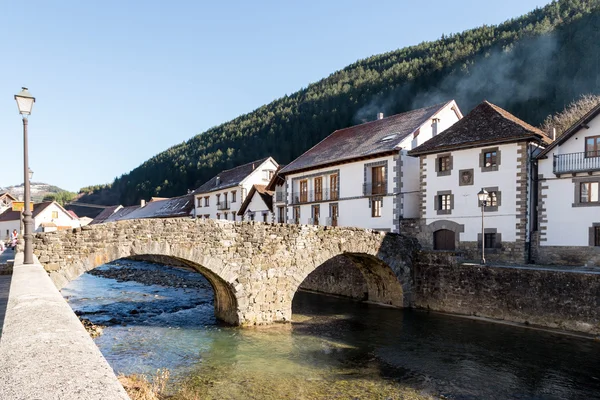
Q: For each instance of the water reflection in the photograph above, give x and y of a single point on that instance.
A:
(334, 349)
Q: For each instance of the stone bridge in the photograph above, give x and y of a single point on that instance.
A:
(254, 268)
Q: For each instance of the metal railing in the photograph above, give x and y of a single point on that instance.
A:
(314, 196)
(223, 205)
(576, 162)
(374, 188)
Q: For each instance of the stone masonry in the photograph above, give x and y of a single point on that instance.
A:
(255, 268)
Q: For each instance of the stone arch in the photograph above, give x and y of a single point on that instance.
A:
(225, 293)
(444, 225)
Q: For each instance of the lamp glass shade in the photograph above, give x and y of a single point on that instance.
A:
(24, 101)
(483, 195)
(30, 173)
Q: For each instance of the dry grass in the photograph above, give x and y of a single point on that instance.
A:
(138, 387)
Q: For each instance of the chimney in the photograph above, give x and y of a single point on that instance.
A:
(142, 203)
(253, 167)
(434, 126)
(553, 134)
(380, 115)
(217, 181)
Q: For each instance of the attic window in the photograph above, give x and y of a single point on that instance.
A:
(389, 137)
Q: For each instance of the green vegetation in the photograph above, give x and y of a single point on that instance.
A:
(532, 66)
(61, 197)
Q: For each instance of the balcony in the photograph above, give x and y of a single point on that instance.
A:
(374, 188)
(576, 162)
(223, 205)
(312, 196)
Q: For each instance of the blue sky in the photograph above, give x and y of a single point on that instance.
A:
(117, 82)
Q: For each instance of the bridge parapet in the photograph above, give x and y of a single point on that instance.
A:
(254, 268)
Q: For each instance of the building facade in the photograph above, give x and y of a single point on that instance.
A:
(47, 217)
(568, 209)
(361, 176)
(258, 205)
(222, 196)
(488, 149)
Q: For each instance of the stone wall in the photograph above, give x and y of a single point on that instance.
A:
(338, 276)
(254, 268)
(548, 298)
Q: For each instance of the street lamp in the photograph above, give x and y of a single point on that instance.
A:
(25, 103)
(484, 198)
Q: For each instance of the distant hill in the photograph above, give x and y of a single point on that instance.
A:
(533, 66)
(38, 191)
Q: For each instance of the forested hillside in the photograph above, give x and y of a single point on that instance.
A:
(532, 66)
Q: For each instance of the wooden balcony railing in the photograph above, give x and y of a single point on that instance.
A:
(576, 162)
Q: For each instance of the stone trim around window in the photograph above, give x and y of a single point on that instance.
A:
(577, 191)
(498, 239)
(383, 163)
(437, 164)
(436, 202)
(498, 199)
(592, 233)
(482, 159)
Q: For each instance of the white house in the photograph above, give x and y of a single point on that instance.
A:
(568, 213)
(492, 149)
(361, 176)
(258, 205)
(6, 200)
(47, 217)
(222, 196)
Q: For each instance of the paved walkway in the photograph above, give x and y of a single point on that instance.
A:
(4, 286)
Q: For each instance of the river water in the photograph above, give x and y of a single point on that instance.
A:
(336, 348)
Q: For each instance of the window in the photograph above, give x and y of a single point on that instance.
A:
(333, 187)
(303, 191)
(376, 204)
(251, 215)
(207, 216)
(489, 159)
(199, 200)
(54, 214)
(319, 189)
(218, 215)
(206, 201)
(281, 214)
(378, 180)
(443, 164)
(267, 175)
(588, 192)
(297, 215)
(490, 240)
(225, 198)
(334, 212)
(225, 216)
(264, 217)
(596, 235)
(592, 146)
(444, 202)
(218, 199)
(233, 194)
(316, 213)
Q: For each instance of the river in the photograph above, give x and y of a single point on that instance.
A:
(335, 348)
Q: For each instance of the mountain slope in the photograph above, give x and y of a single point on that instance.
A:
(532, 66)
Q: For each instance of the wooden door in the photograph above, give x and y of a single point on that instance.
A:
(378, 180)
(334, 215)
(333, 187)
(444, 240)
(319, 189)
(303, 191)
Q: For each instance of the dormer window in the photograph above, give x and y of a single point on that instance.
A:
(592, 146)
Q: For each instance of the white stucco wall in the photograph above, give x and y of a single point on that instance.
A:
(567, 225)
(63, 220)
(466, 207)
(258, 208)
(8, 226)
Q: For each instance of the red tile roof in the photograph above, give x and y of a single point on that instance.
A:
(371, 138)
(486, 124)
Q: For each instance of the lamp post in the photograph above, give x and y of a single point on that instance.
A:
(483, 197)
(25, 103)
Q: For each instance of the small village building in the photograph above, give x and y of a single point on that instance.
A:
(258, 205)
(105, 214)
(492, 149)
(362, 176)
(568, 212)
(277, 187)
(222, 196)
(47, 217)
(6, 200)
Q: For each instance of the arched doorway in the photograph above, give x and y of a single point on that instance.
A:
(444, 239)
